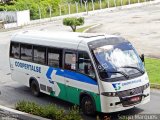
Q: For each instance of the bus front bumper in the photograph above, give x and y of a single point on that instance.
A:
(114, 104)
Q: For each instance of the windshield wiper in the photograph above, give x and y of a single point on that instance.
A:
(124, 74)
(134, 68)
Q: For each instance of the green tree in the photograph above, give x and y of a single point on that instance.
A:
(35, 6)
(73, 22)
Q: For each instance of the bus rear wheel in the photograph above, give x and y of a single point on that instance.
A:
(88, 106)
(35, 88)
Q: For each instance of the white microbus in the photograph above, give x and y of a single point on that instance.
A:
(100, 73)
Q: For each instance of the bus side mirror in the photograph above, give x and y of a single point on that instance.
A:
(142, 57)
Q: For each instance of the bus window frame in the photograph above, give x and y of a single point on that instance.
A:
(10, 49)
(61, 56)
(62, 62)
(32, 52)
(33, 46)
(95, 79)
(69, 51)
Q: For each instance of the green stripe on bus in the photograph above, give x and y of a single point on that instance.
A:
(72, 94)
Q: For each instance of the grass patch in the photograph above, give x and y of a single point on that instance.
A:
(83, 28)
(152, 66)
(50, 111)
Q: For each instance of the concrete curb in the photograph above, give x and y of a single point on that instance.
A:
(10, 29)
(154, 85)
(94, 26)
(18, 114)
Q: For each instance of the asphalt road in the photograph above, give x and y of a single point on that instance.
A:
(124, 22)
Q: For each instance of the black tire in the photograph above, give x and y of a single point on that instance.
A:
(35, 88)
(88, 106)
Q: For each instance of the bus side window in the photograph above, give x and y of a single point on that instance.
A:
(15, 50)
(70, 61)
(85, 66)
(26, 52)
(55, 57)
(39, 54)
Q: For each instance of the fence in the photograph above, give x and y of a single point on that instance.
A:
(8, 16)
(44, 14)
(77, 7)
(47, 11)
(15, 18)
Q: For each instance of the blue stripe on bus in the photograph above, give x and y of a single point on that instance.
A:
(71, 75)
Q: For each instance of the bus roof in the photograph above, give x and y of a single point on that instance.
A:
(60, 39)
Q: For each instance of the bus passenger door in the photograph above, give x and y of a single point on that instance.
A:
(79, 73)
(70, 58)
(55, 73)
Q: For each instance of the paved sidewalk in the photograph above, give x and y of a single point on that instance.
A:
(5, 116)
(12, 114)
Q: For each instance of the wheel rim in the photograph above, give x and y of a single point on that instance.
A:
(34, 89)
(88, 107)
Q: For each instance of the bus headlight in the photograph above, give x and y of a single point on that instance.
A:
(109, 94)
(146, 86)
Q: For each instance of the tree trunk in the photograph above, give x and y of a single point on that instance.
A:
(73, 28)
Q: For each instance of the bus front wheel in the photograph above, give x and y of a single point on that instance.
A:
(35, 88)
(88, 106)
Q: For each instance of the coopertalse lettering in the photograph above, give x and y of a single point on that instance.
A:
(28, 67)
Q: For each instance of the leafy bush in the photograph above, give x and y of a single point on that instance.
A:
(33, 6)
(53, 112)
(29, 107)
(2, 8)
(49, 111)
(73, 22)
(73, 114)
(34, 12)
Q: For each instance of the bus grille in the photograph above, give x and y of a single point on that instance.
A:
(126, 96)
(130, 92)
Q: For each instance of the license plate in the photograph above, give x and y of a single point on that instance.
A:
(135, 99)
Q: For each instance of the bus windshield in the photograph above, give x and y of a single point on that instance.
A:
(117, 60)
